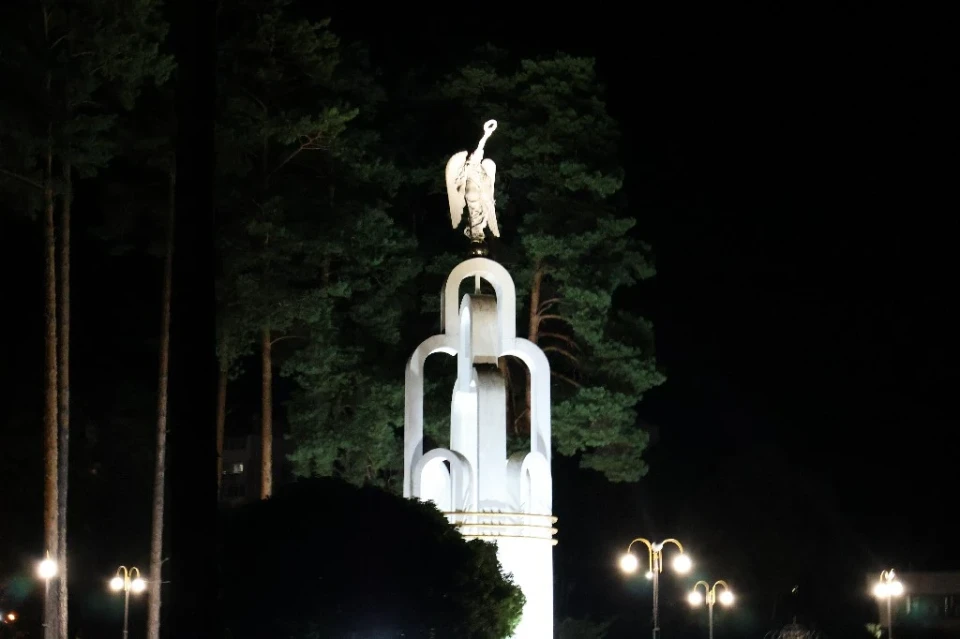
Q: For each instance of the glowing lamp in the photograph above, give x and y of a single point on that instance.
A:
(47, 569)
(682, 563)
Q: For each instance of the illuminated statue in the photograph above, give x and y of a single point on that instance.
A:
(485, 491)
(470, 183)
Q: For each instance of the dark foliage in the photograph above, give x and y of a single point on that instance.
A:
(323, 558)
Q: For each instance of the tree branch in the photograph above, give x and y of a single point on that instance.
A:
(547, 304)
(564, 338)
(307, 143)
(21, 178)
(256, 99)
(566, 379)
(283, 337)
(518, 421)
(561, 351)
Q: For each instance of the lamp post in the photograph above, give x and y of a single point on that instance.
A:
(629, 564)
(47, 570)
(887, 588)
(128, 581)
(710, 596)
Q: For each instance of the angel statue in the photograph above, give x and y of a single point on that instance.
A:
(470, 183)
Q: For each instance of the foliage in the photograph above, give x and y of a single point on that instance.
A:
(569, 243)
(327, 567)
(309, 249)
(75, 67)
(268, 121)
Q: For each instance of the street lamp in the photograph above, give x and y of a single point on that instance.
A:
(710, 595)
(629, 564)
(887, 588)
(128, 581)
(47, 570)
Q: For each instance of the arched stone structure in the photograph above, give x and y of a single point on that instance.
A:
(508, 502)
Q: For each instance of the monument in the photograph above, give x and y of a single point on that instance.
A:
(488, 495)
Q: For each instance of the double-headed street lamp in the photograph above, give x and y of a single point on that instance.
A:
(629, 564)
(128, 581)
(710, 596)
(887, 588)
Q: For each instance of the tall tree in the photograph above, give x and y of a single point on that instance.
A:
(93, 58)
(344, 412)
(52, 453)
(29, 150)
(163, 377)
(569, 241)
(271, 123)
(112, 49)
(142, 211)
(63, 395)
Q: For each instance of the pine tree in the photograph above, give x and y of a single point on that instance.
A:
(149, 146)
(570, 244)
(73, 68)
(278, 113)
(345, 414)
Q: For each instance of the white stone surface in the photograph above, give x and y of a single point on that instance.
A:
(470, 181)
(508, 502)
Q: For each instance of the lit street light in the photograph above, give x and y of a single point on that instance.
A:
(629, 564)
(887, 588)
(47, 570)
(710, 595)
(128, 581)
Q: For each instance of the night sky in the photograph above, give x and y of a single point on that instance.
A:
(791, 173)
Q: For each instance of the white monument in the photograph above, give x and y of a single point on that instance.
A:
(488, 496)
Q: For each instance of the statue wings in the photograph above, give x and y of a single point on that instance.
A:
(455, 186)
(456, 179)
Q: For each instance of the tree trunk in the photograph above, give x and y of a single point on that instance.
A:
(533, 330)
(266, 433)
(159, 477)
(221, 421)
(63, 452)
(50, 420)
(533, 334)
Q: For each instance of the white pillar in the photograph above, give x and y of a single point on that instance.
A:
(504, 501)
